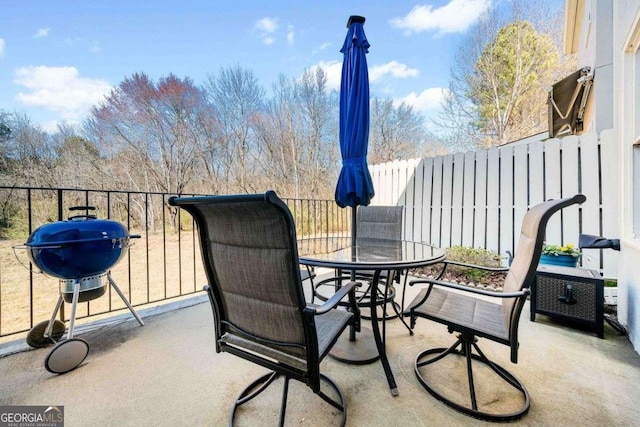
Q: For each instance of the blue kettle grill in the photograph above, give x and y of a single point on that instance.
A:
(80, 253)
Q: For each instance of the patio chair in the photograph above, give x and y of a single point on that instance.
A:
(377, 222)
(308, 273)
(475, 313)
(383, 222)
(250, 256)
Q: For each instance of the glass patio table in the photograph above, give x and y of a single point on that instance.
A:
(374, 256)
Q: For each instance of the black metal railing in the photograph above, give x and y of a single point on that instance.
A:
(164, 264)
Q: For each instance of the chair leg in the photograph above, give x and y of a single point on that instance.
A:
(341, 405)
(464, 347)
(262, 383)
(397, 308)
(283, 406)
(249, 393)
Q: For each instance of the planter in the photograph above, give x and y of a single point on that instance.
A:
(560, 260)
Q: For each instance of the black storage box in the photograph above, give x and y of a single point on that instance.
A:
(573, 294)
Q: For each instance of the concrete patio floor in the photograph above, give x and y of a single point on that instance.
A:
(167, 373)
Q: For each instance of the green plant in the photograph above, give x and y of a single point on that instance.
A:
(557, 250)
(476, 256)
(460, 274)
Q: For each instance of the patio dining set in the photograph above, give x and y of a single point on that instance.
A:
(262, 313)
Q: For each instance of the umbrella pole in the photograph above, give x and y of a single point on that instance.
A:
(352, 273)
(354, 227)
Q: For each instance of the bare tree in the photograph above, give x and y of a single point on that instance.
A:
(77, 160)
(5, 136)
(395, 132)
(212, 174)
(28, 153)
(278, 139)
(151, 131)
(237, 97)
(296, 136)
(319, 111)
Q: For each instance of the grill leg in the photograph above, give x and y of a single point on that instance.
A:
(49, 330)
(124, 299)
(74, 304)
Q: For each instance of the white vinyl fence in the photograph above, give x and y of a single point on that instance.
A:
(478, 199)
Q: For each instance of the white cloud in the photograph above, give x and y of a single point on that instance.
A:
(42, 32)
(333, 70)
(72, 41)
(393, 68)
(322, 47)
(454, 17)
(290, 35)
(60, 89)
(51, 126)
(267, 27)
(429, 99)
(94, 47)
(2, 45)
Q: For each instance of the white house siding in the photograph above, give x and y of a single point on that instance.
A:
(605, 35)
(626, 93)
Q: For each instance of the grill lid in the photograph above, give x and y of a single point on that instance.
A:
(76, 231)
(78, 247)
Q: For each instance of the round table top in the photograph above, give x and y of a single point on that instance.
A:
(367, 253)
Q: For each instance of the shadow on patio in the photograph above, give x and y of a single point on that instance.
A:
(167, 373)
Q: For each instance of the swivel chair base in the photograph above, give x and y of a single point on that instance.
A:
(467, 342)
(262, 383)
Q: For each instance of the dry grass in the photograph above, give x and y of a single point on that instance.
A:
(156, 268)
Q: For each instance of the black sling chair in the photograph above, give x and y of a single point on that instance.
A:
(250, 256)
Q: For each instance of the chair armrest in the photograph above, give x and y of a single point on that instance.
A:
(523, 292)
(479, 267)
(335, 299)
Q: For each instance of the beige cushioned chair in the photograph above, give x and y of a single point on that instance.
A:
(475, 313)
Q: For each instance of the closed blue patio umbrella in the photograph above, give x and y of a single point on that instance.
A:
(354, 186)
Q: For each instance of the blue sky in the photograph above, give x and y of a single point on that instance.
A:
(59, 57)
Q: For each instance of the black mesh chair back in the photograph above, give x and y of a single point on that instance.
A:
(384, 223)
(251, 251)
(250, 256)
(379, 222)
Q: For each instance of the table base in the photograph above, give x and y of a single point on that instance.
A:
(362, 351)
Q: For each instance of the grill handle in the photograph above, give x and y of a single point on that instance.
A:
(82, 208)
(26, 265)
